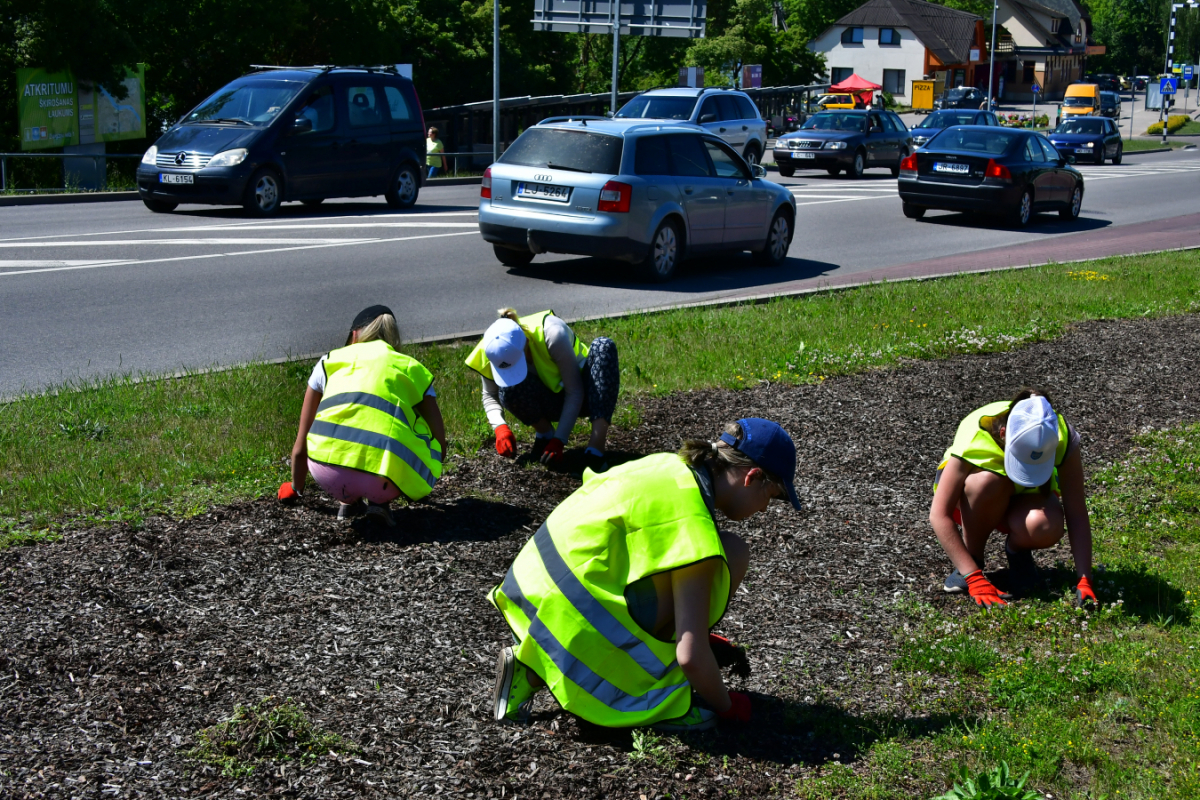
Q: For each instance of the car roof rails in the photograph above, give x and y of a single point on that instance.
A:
(322, 67)
(580, 118)
(330, 67)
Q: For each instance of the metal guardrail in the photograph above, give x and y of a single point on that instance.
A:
(4, 157)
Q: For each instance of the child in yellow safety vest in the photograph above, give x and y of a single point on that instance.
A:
(370, 426)
(611, 602)
(1014, 466)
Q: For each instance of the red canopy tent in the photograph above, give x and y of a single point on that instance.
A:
(856, 85)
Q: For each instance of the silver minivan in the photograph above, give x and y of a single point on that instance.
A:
(727, 114)
(650, 195)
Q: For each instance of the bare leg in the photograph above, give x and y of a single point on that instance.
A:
(599, 434)
(985, 498)
(543, 426)
(1036, 521)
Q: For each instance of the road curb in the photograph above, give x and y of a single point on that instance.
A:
(72, 197)
(452, 182)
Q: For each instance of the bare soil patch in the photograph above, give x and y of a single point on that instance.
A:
(120, 643)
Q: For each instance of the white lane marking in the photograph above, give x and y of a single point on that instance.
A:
(124, 242)
(847, 200)
(299, 227)
(136, 262)
(59, 263)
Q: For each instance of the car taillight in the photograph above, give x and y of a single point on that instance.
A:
(995, 170)
(909, 163)
(485, 185)
(615, 196)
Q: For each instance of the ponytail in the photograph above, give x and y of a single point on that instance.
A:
(719, 456)
(1001, 420)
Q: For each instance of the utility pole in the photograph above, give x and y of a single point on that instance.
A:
(496, 81)
(992, 62)
(616, 29)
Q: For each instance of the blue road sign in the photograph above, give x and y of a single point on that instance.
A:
(1187, 72)
(1035, 88)
(1167, 86)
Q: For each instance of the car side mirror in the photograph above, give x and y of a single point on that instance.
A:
(706, 118)
(758, 170)
(301, 125)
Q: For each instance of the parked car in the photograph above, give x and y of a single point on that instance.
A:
(1139, 82)
(961, 97)
(1126, 83)
(845, 140)
(1094, 139)
(1110, 105)
(831, 101)
(650, 195)
(944, 119)
(1081, 100)
(305, 134)
(970, 168)
(1106, 81)
(727, 114)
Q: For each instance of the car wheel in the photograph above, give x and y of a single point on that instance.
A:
(833, 171)
(779, 238)
(313, 201)
(787, 172)
(1024, 210)
(404, 187)
(860, 163)
(896, 169)
(1120, 154)
(660, 263)
(751, 155)
(1072, 211)
(264, 193)
(913, 212)
(512, 258)
(159, 206)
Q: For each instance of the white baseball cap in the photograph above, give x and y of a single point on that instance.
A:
(1030, 441)
(504, 344)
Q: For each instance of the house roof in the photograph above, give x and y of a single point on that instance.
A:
(947, 32)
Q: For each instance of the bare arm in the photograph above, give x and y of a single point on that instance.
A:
(429, 411)
(691, 588)
(308, 412)
(945, 500)
(1079, 526)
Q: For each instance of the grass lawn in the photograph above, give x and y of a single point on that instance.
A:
(120, 450)
(1112, 695)
(1134, 145)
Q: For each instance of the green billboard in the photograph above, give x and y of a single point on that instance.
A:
(54, 109)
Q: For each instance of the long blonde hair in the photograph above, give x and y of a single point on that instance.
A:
(719, 456)
(382, 327)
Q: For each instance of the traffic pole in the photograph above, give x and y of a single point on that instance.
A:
(616, 29)
(495, 81)
(992, 60)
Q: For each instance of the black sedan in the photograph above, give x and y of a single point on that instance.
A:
(961, 97)
(993, 170)
(938, 120)
(1088, 139)
(845, 140)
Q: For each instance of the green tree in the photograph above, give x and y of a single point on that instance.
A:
(743, 32)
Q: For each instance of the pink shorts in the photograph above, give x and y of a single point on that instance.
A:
(348, 485)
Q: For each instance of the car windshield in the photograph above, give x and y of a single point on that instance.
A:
(649, 106)
(249, 102)
(990, 141)
(957, 93)
(840, 99)
(1078, 102)
(576, 151)
(944, 119)
(1085, 126)
(833, 121)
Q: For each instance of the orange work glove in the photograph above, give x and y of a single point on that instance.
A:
(553, 454)
(287, 494)
(739, 711)
(506, 443)
(983, 592)
(1084, 593)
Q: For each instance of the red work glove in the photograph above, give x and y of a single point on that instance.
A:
(1084, 593)
(983, 592)
(739, 711)
(729, 654)
(553, 454)
(506, 443)
(287, 494)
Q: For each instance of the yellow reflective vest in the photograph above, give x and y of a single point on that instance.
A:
(543, 364)
(366, 419)
(564, 596)
(973, 443)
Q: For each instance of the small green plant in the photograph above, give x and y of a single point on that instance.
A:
(997, 784)
(267, 731)
(649, 746)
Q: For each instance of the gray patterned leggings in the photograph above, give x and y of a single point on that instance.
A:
(531, 400)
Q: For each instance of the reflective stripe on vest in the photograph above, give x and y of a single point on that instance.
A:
(974, 443)
(534, 326)
(564, 598)
(366, 420)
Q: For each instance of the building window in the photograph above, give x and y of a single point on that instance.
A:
(893, 81)
(1027, 75)
(889, 36)
(839, 74)
(852, 36)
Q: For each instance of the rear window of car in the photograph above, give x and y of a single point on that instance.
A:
(578, 151)
(992, 142)
(650, 106)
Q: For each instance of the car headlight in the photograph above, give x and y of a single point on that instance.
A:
(150, 155)
(230, 158)
(1089, 144)
(835, 145)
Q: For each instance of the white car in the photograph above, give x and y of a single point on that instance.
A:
(727, 114)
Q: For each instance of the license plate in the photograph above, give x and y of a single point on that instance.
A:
(544, 191)
(1087, 150)
(804, 155)
(170, 177)
(954, 169)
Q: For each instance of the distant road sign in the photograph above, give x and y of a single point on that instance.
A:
(640, 18)
(1167, 86)
(1187, 72)
(1035, 88)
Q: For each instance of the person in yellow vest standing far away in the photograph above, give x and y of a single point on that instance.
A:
(1014, 466)
(611, 602)
(537, 369)
(370, 427)
(433, 153)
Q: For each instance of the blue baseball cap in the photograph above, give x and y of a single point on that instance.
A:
(770, 447)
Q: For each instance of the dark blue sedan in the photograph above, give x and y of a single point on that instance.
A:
(1088, 139)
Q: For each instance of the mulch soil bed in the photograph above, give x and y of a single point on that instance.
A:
(119, 644)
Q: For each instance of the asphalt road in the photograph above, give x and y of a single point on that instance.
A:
(96, 289)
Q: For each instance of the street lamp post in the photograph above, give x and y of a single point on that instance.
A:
(616, 30)
(496, 81)
(992, 63)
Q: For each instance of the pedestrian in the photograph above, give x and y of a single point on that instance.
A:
(538, 370)
(611, 602)
(370, 426)
(433, 153)
(1014, 466)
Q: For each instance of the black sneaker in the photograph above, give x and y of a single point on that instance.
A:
(1023, 573)
(955, 583)
(381, 513)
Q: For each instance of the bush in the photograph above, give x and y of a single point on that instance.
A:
(1174, 123)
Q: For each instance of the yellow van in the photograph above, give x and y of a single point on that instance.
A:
(1082, 99)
